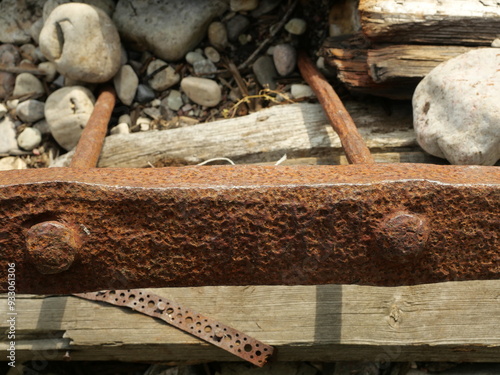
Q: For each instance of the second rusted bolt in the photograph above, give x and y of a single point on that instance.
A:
(52, 246)
(403, 235)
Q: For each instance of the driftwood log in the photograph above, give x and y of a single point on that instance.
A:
(298, 130)
(390, 45)
(456, 321)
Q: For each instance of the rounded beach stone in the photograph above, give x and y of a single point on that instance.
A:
(217, 35)
(296, 26)
(126, 82)
(30, 110)
(67, 111)
(29, 139)
(455, 109)
(202, 91)
(285, 59)
(82, 41)
(27, 84)
(243, 5)
(167, 28)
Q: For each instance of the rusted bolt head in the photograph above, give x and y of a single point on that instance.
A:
(402, 235)
(52, 246)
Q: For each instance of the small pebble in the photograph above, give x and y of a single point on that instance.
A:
(12, 104)
(192, 57)
(3, 110)
(296, 26)
(10, 162)
(301, 91)
(126, 82)
(27, 84)
(217, 35)
(236, 26)
(163, 79)
(143, 123)
(153, 112)
(155, 102)
(204, 67)
(212, 54)
(9, 56)
(29, 139)
(7, 135)
(42, 126)
(243, 5)
(144, 94)
(30, 110)
(174, 100)
(202, 91)
(125, 119)
(285, 59)
(496, 43)
(121, 128)
(50, 70)
(265, 72)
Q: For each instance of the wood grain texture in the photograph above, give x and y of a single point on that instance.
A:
(456, 321)
(458, 22)
(298, 130)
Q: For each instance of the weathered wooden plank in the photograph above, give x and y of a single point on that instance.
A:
(400, 62)
(456, 321)
(298, 130)
(392, 71)
(459, 22)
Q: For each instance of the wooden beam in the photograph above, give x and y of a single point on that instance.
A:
(299, 130)
(448, 22)
(456, 321)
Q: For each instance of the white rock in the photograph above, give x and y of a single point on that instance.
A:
(67, 111)
(125, 118)
(296, 26)
(217, 35)
(7, 135)
(301, 91)
(192, 57)
(202, 91)
(121, 128)
(155, 102)
(126, 82)
(27, 85)
(12, 104)
(212, 54)
(243, 5)
(143, 123)
(496, 43)
(82, 41)
(29, 139)
(456, 114)
(174, 100)
(50, 70)
(163, 79)
(3, 110)
(11, 162)
(30, 110)
(168, 28)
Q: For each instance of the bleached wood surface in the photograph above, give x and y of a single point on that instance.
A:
(459, 22)
(298, 130)
(456, 321)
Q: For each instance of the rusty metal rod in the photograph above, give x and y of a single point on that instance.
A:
(90, 144)
(352, 142)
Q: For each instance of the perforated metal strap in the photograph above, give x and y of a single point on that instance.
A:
(189, 321)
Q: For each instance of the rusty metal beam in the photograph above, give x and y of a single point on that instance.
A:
(381, 224)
